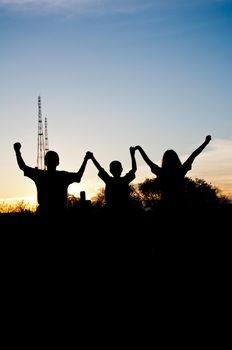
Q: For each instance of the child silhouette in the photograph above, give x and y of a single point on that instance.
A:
(117, 189)
(52, 185)
(172, 173)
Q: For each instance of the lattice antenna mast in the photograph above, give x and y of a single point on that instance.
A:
(46, 136)
(40, 143)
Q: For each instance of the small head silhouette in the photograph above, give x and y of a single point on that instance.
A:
(51, 159)
(170, 160)
(116, 168)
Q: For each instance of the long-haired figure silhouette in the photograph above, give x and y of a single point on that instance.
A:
(172, 172)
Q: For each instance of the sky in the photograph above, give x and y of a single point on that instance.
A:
(113, 74)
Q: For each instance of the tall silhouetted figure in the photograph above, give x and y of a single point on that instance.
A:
(172, 173)
(52, 185)
(117, 189)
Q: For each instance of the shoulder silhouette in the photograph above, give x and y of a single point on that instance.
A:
(117, 189)
(172, 172)
(51, 184)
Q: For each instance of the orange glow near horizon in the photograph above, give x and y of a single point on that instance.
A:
(30, 202)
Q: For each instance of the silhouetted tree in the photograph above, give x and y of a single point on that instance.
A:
(147, 193)
(72, 200)
(99, 199)
(197, 191)
(150, 189)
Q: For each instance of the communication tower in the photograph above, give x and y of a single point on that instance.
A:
(42, 140)
(46, 148)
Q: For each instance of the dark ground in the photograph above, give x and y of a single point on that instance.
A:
(159, 277)
(94, 257)
(146, 241)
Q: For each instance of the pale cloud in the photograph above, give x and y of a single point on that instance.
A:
(47, 5)
(75, 5)
(97, 6)
(72, 8)
(38, 2)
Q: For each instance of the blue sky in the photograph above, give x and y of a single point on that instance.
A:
(114, 74)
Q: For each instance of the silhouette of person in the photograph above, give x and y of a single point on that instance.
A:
(172, 173)
(52, 184)
(117, 189)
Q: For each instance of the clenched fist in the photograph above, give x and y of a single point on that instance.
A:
(17, 146)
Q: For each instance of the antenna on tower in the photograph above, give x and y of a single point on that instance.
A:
(40, 140)
(46, 148)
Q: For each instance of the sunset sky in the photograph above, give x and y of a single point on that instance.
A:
(113, 74)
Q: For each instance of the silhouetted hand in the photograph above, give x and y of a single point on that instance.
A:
(132, 150)
(89, 155)
(17, 146)
(208, 138)
(137, 148)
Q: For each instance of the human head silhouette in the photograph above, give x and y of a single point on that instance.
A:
(116, 168)
(51, 159)
(170, 159)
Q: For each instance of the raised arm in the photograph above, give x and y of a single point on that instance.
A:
(145, 157)
(95, 162)
(199, 149)
(83, 165)
(20, 161)
(133, 161)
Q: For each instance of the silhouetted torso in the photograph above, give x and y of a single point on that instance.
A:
(172, 184)
(117, 190)
(52, 188)
(52, 185)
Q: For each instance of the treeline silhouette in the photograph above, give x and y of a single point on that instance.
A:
(155, 231)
